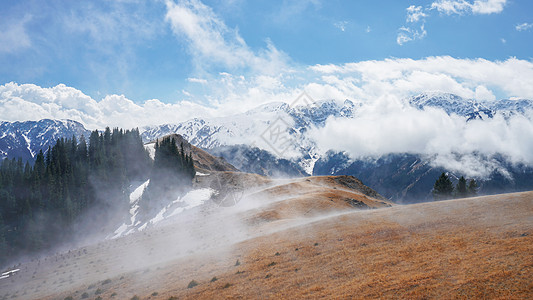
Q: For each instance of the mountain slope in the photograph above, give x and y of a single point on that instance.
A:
(473, 248)
(409, 178)
(202, 159)
(254, 160)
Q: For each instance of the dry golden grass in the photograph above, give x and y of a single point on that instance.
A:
(474, 248)
(459, 249)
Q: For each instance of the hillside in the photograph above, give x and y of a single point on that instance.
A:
(466, 248)
(202, 159)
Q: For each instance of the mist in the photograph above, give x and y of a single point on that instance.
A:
(239, 207)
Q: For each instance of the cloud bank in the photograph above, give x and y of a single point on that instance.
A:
(389, 126)
(227, 94)
(31, 102)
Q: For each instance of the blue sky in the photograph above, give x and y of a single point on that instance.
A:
(134, 48)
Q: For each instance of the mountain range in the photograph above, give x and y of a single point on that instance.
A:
(243, 141)
(26, 139)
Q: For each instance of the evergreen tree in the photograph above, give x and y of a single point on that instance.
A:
(472, 188)
(461, 189)
(171, 175)
(41, 204)
(443, 188)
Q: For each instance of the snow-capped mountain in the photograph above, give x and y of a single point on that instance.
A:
(453, 104)
(244, 138)
(471, 108)
(210, 133)
(25, 139)
(509, 107)
(252, 127)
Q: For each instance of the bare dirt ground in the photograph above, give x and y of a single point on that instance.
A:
(468, 248)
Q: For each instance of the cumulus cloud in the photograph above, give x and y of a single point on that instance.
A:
(524, 26)
(13, 35)
(31, 102)
(227, 94)
(212, 43)
(403, 77)
(389, 126)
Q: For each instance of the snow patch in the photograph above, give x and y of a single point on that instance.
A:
(138, 192)
(151, 149)
(159, 217)
(28, 145)
(120, 231)
(9, 273)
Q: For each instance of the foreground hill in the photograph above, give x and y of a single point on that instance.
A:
(466, 248)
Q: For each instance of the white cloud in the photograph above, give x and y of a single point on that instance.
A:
(227, 94)
(197, 80)
(415, 14)
(524, 26)
(13, 35)
(403, 77)
(31, 102)
(488, 6)
(388, 126)
(383, 124)
(410, 34)
(462, 7)
(418, 14)
(213, 44)
(482, 93)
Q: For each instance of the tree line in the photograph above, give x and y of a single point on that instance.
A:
(43, 203)
(444, 188)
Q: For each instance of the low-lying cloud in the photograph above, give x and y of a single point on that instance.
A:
(390, 126)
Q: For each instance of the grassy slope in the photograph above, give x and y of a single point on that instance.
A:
(471, 248)
(474, 248)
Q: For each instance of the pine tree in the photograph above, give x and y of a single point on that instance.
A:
(472, 188)
(443, 188)
(40, 205)
(461, 189)
(3, 243)
(171, 175)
